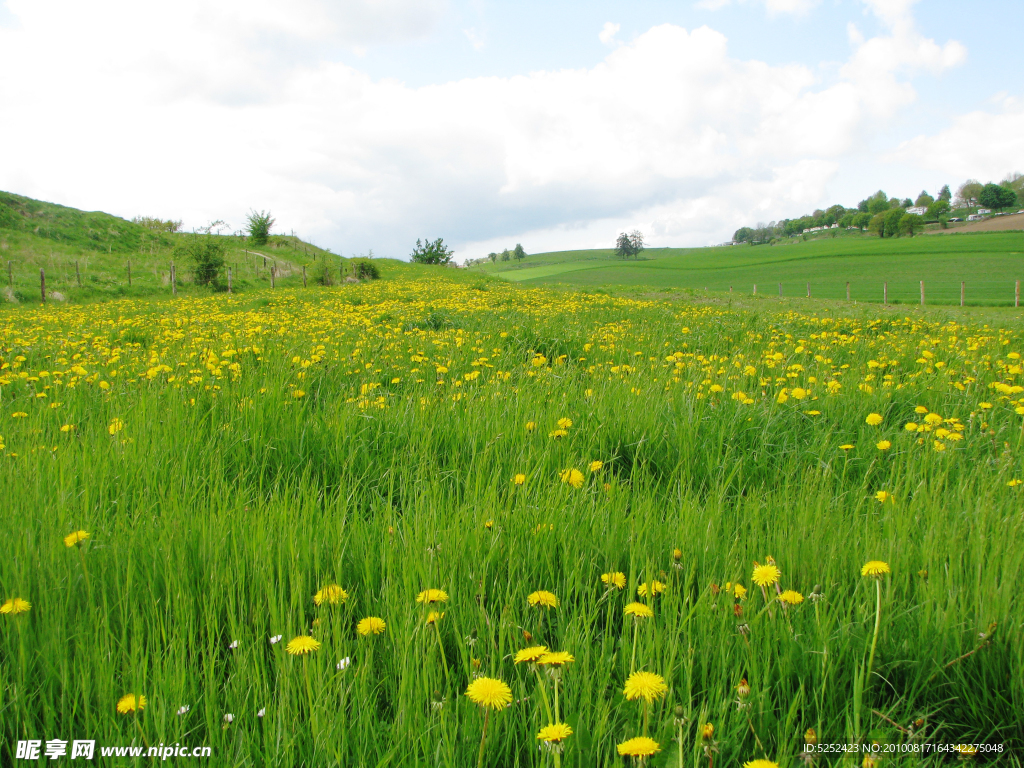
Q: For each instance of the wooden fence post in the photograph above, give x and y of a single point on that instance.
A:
(1016, 294)
(303, 275)
(961, 293)
(780, 290)
(129, 273)
(174, 281)
(847, 290)
(808, 290)
(885, 293)
(229, 279)
(922, 293)
(42, 284)
(78, 275)
(755, 289)
(272, 276)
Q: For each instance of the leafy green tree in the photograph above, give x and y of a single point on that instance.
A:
(877, 224)
(260, 223)
(636, 242)
(862, 220)
(519, 253)
(968, 193)
(206, 252)
(492, 256)
(907, 203)
(432, 252)
(924, 200)
(505, 255)
(995, 196)
(877, 203)
(945, 194)
(910, 223)
(939, 208)
(742, 235)
(892, 221)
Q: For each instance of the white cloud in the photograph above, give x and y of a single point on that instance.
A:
(476, 39)
(198, 118)
(981, 145)
(608, 33)
(773, 7)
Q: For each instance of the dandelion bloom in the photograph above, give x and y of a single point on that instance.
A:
(15, 605)
(875, 569)
(131, 703)
(297, 393)
(766, 575)
(519, 479)
(489, 692)
(571, 477)
(799, 393)
(846, 447)
(332, 594)
(557, 434)
(432, 596)
(873, 419)
(433, 617)
(883, 445)
(371, 625)
(792, 597)
(556, 658)
(116, 425)
(707, 731)
(910, 426)
(920, 409)
(75, 538)
(614, 579)
(760, 764)
(639, 746)
(883, 496)
(542, 598)
(564, 423)
(596, 465)
(530, 426)
(554, 733)
(301, 645)
(645, 685)
(740, 591)
(656, 588)
(638, 610)
(531, 654)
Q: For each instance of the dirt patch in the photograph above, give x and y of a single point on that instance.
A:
(1013, 222)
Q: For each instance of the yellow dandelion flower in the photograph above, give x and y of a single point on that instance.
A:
(760, 764)
(614, 579)
(530, 426)
(645, 685)
(554, 733)
(766, 575)
(131, 703)
(15, 605)
(910, 426)
(371, 625)
(883, 496)
(564, 423)
(798, 393)
(519, 479)
(638, 611)
(707, 731)
(542, 599)
(331, 594)
(558, 434)
(75, 538)
(740, 591)
(428, 596)
(638, 746)
(571, 477)
(875, 569)
(489, 692)
(596, 465)
(810, 736)
(115, 426)
(301, 645)
(531, 654)
(846, 447)
(433, 617)
(297, 393)
(655, 587)
(873, 419)
(791, 596)
(883, 445)
(920, 410)
(556, 658)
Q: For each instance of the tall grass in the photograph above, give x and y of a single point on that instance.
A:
(229, 497)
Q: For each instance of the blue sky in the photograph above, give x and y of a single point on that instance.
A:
(369, 123)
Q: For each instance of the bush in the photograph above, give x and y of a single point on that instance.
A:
(259, 226)
(366, 270)
(431, 252)
(206, 253)
(323, 274)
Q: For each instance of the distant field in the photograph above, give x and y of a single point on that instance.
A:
(989, 265)
(1012, 223)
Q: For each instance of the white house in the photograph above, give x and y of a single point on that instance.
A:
(918, 210)
(983, 211)
(975, 217)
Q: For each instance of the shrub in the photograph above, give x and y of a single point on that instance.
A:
(366, 270)
(323, 274)
(206, 253)
(259, 226)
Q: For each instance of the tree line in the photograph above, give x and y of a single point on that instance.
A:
(889, 216)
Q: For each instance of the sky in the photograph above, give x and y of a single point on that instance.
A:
(366, 124)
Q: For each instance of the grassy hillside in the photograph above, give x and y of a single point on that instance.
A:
(989, 264)
(86, 255)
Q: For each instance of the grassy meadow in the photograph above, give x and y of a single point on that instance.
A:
(600, 475)
(989, 264)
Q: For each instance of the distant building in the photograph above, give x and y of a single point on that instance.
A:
(983, 211)
(917, 210)
(975, 217)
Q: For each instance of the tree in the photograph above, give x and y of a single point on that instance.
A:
(877, 203)
(907, 202)
(967, 195)
(742, 235)
(636, 241)
(206, 252)
(861, 220)
(505, 255)
(910, 223)
(432, 252)
(892, 221)
(877, 224)
(995, 196)
(939, 208)
(945, 194)
(519, 253)
(260, 224)
(623, 248)
(492, 256)
(924, 200)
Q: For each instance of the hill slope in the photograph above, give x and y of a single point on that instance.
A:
(989, 264)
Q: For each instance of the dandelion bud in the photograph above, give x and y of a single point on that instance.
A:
(810, 737)
(679, 711)
(677, 554)
(715, 589)
(527, 636)
(229, 718)
(743, 689)
(707, 731)
(737, 610)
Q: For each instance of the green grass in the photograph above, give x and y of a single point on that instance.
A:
(299, 438)
(988, 263)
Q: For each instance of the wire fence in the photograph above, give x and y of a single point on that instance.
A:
(966, 293)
